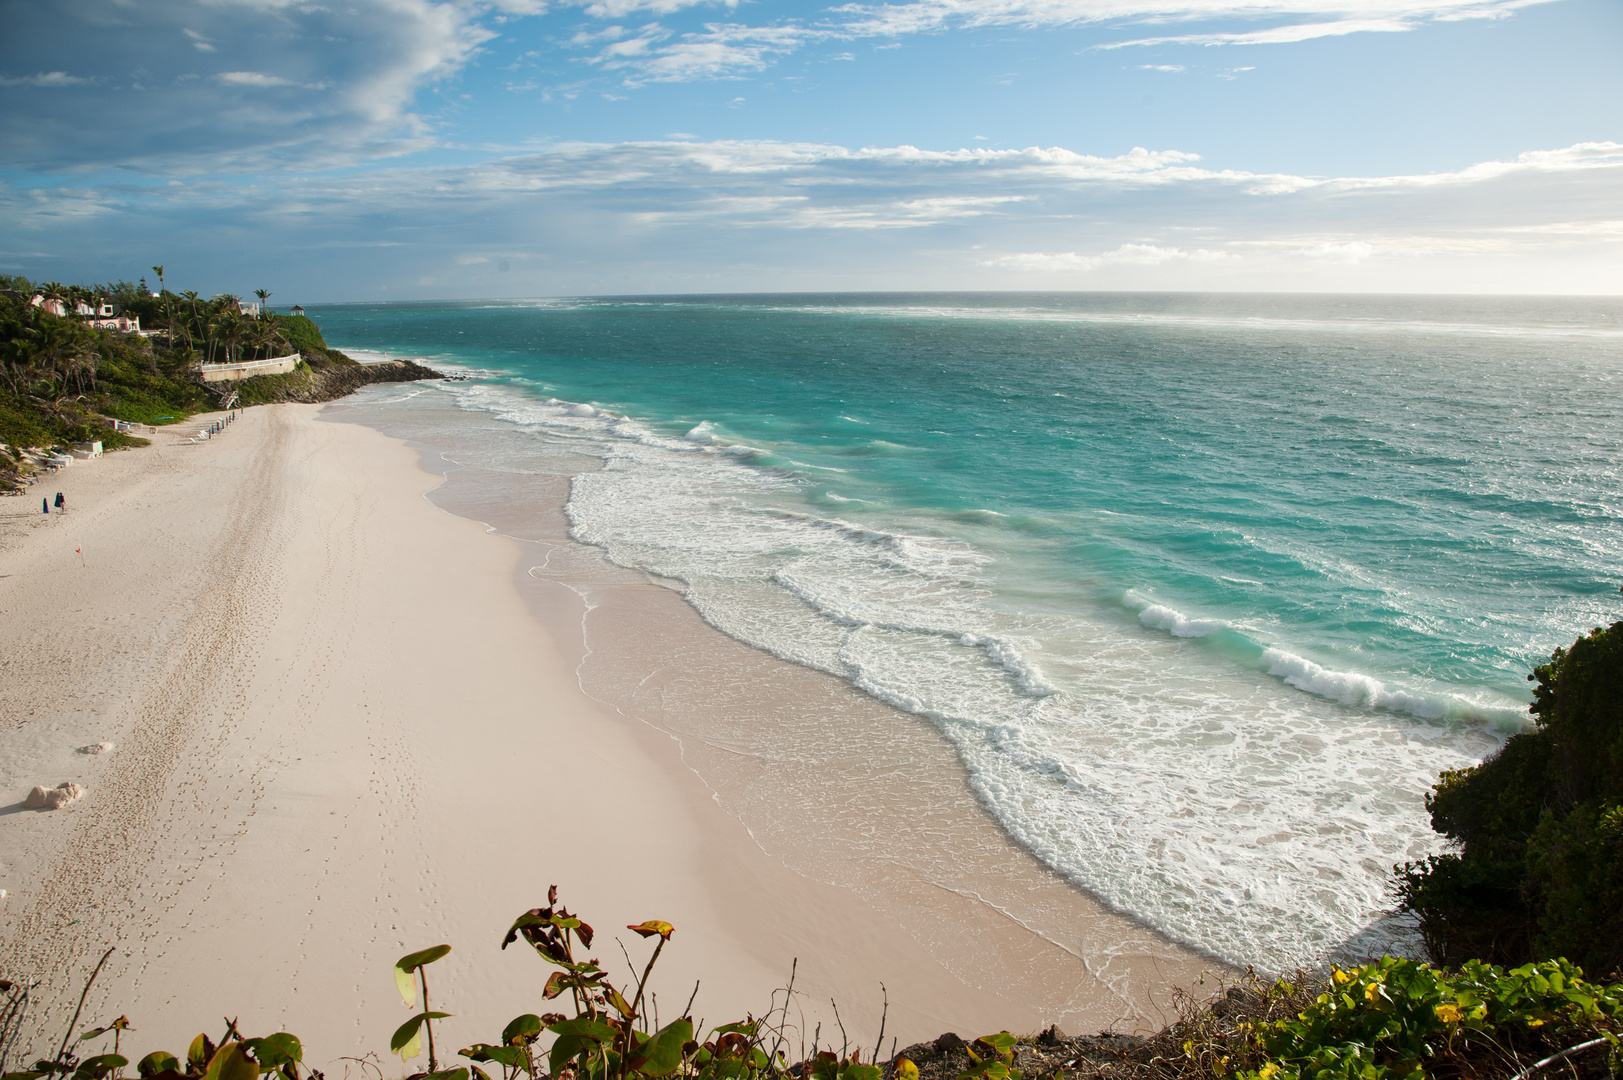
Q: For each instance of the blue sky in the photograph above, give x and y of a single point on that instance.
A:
(368, 149)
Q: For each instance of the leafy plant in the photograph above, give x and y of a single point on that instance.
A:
(407, 1040)
(1401, 1018)
(1539, 866)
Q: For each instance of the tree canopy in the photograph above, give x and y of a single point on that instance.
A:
(1538, 869)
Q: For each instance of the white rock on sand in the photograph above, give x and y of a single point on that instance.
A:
(44, 798)
(97, 748)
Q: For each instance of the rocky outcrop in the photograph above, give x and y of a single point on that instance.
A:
(318, 382)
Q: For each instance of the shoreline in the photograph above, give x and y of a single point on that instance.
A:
(341, 733)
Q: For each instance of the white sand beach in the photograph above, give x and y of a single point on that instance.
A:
(347, 724)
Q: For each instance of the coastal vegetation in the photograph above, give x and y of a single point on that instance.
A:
(72, 362)
(1538, 828)
(1392, 1019)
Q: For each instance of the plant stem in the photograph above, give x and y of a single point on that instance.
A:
(433, 1065)
(642, 982)
(86, 993)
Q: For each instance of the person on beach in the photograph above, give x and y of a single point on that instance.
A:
(44, 505)
(61, 504)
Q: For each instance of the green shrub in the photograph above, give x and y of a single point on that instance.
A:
(1539, 866)
(302, 334)
(1400, 1018)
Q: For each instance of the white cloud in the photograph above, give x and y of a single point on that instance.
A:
(1345, 251)
(619, 9)
(720, 50)
(781, 215)
(929, 15)
(1126, 254)
(43, 79)
(252, 78)
(346, 78)
(1278, 35)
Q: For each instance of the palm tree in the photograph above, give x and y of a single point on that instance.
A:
(190, 296)
(59, 351)
(159, 271)
(264, 298)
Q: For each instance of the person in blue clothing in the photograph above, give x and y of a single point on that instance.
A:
(61, 503)
(44, 505)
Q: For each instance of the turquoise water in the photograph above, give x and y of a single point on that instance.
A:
(1205, 589)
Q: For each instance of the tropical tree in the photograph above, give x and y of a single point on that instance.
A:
(264, 298)
(58, 352)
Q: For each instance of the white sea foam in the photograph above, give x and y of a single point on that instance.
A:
(1253, 812)
(1161, 617)
(1350, 688)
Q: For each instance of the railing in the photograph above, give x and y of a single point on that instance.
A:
(276, 365)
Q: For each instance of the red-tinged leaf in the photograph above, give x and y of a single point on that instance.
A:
(584, 932)
(652, 927)
(620, 1004)
(556, 985)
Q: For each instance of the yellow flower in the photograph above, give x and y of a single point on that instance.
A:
(1448, 1014)
(1267, 1070)
(1340, 976)
(1372, 991)
(1535, 1023)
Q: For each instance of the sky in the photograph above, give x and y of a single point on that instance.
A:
(354, 150)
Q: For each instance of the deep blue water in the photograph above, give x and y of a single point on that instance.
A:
(1205, 589)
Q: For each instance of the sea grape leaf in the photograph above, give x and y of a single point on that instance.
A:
(527, 1027)
(99, 1066)
(409, 963)
(274, 1051)
(510, 1056)
(1001, 1043)
(662, 1053)
(231, 1062)
(406, 985)
(413, 961)
(156, 1062)
(906, 1070)
(200, 1052)
(407, 1041)
(458, 1073)
(652, 927)
(576, 1036)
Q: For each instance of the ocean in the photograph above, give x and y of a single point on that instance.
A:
(1204, 590)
